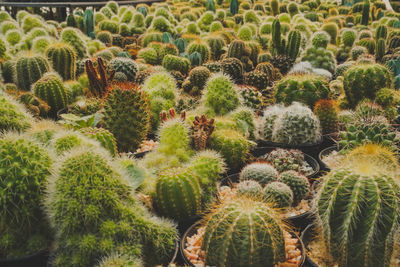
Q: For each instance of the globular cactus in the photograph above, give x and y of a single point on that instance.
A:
(119, 260)
(201, 48)
(232, 67)
(72, 37)
(28, 69)
(51, 89)
(274, 4)
(359, 83)
(249, 188)
(126, 102)
(257, 79)
(216, 45)
(307, 89)
(24, 174)
(279, 194)
(261, 172)
(125, 65)
(363, 199)
(288, 159)
(298, 184)
(296, 125)
(220, 95)
(271, 113)
(273, 74)
(13, 116)
(332, 29)
(348, 37)
(62, 57)
(103, 136)
(198, 77)
(320, 58)
(381, 32)
(151, 37)
(202, 129)
(171, 62)
(320, 39)
(34, 104)
(149, 55)
(251, 97)
(177, 194)
(258, 223)
(108, 25)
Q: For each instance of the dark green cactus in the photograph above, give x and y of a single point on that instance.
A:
(297, 182)
(234, 7)
(178, 194)
(232, 67)
(88, 21)
(278, 43)
(28, 69)
(201, 48)
(181, 64)
(103, 136)
(249, 188)
(279, 194)
(216, 45)
(365, 13)
(257, 79)
(261, 172)
(381, 32)
(62, 57)
(327, 112)
(380, 49)
(293, 45)
(125, 65)
(210, 5)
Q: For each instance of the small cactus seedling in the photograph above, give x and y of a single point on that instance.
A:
(261, 172)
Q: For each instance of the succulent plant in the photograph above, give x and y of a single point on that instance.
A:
(63, 60)
(172, 62)
(103, 136)
(73, 37)
(320, 58)
(99, 79)
(178, 194)
(249, 188)
(279, 194)
(202, 128)
(327, 112)
(125, 65)
(13, 116)
(232, 67)
(288, 159)
(126, 102)
(261, 172)
(221, 232)
(251, 97)
(28, 69)
(297, 182)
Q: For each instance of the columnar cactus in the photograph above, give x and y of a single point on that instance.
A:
(297, 182)
(178, 194)
(51, 89)
(124, 103)
(28, 69)
(261, 172)
(88, 22)
(328, 114)
(251, 227)
(358, 212)
(13, 116)
(62, 57)
(125, 65)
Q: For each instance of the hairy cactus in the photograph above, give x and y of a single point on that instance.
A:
(171, 62)
(261, 172)
(320, 58)
(23, 180)
(99, 79)
(28, 69)
(307, 89)
(327, 112)
(126, 102)
(103, 136)
(51, 89)
(258, 223)
(249, 188)
(279, 194)
(13, 116)
(63, 59)
(202, 129)
(125, 65)
(320, 39)
(252, 98)
(363, 199)
(221, 95)
(72, 37)
(178, 194)
(298, 184)
(364, 80)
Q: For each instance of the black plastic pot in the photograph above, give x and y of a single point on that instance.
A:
(173, 260)
(191, 231)
(325, 152)
(306, 237)
(60, 112)
(141, 154)
(38, 259)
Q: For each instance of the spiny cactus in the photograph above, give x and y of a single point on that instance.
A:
(201, 48)
(297, 182)
(197, 79)
(172, 62)
(202, 129)
(257, 79)
(103, 136)
(125, 65)
(72, 37)
(126, 102)
(13, 116)
(23, 180)
(249, 188)
(320, 39)
(257, 235)
(327, 112)
(279, 194)
(63, 59)
(348, 37)
(232, 67)
(51, 89)
(178, 194)
(99, 79)
(34, 104)
(359, 227)
(261, 172)
(28, 69)
(88, 22)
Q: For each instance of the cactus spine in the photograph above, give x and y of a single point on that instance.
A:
(63, 59)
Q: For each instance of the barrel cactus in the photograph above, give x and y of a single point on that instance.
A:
(13, 115)
(178, 194)
(279, 194)
(63, 59)
(261, 172)
(249, 188)
(28, 69)
(103, 136)
(125, 65)
(297, 182)
(328, 114)
(251, 227)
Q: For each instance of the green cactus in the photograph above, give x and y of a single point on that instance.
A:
(125, 65)
(251, 227)
(181, 64)
(28, 69)
(320, 39)
(365, 215)
(380, 49)
(88, 21)
(256, 79)
(234, 7)
(274, 7)
(237, 49)
(149, 55)
(368, 43)
(108, 25)
(200, 47)
(63, 59)
(348, 37)
(23, 180)
(198, 77)
(120, 260)
(72, 37)
(151, 37)
(64, 141)
(103, 136)
(261, 172)
(232, 67)
(126, 102)
(13, 116)
(293, 45)
(381, 32)
(249, 188)
(365, 13)
(216, 45)
(307, 89)
(328, 114)
(298, 184)
(279, 194)
(220, 95)
(364, 80)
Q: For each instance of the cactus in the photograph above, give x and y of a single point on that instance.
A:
(359, 83)
(88, 22)
(125, 65)
(365, 13)
(50, 89)
(234, 7)
(201, 48)
(261, 172)
(364, 199)
(237, 49)
(274, 7)
(99, 79)
(320, 58)
(257, 79)
(103, 136)
(255, 222)
(381, 32)
(201, 131)
(328, 114)
(126, 102)
(249, 188)
(171, 62)
(108, 25)
(216, 45)
(23, 180)
(119, 260)
(296, 125)
(380, 49)
(72, 37)
(279, 194)
(348, 37)
(320, 39)
(307, 89)
(63, 59)
(28, 69)
(13, 116)
(178, 194)
(298, 184)
(232, 67)
(87, 181)
(198, 77)
(220, 95)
